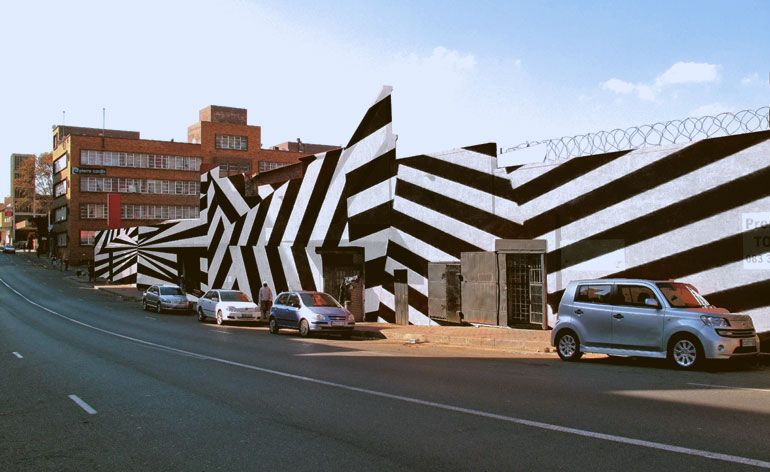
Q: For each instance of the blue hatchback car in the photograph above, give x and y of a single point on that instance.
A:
(310, 312)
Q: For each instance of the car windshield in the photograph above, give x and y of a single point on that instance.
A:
(234, 296)
(171, 291)
(681, 295)
(318, 299)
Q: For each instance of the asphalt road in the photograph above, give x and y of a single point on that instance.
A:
(89, 382)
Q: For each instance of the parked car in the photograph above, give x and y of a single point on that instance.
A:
(165, 297)
(9, 249)
(633, 317)
(227, 305)
(310, 312)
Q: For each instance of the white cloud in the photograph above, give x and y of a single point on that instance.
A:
(688, 72)
(751, 80)
(678, 74)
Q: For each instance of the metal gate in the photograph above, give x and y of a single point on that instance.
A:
(343, 273)
(479, 287)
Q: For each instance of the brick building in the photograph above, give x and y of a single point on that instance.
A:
(23, 204)
(102, 174)
(6, 210)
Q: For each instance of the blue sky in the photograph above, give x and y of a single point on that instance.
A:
(463, 72)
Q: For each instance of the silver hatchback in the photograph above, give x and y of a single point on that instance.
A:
(643, 318)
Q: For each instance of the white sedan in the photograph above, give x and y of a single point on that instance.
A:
(227, 305)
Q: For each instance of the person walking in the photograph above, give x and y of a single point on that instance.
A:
(265, 300)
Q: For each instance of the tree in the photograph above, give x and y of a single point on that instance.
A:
(33, 184)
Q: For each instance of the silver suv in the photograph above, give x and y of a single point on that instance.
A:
(633, 317)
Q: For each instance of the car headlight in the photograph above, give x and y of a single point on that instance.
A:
(714, 321)
(319, 317)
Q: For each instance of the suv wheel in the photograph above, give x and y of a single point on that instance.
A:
(685, 352)
(568, 346)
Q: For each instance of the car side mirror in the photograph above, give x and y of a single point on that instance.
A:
(651, 302)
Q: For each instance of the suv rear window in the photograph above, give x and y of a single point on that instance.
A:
(594, 294)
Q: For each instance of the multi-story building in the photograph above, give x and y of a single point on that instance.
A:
(111, 178)
(6, 210)
(23, 202)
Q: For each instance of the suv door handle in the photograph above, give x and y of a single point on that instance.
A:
(618, 316)
(578, 311)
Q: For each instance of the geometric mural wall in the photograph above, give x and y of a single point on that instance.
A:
(687, 212)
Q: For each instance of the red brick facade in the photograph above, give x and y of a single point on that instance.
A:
(222, 138)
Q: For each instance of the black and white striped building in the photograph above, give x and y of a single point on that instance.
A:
(396, 232)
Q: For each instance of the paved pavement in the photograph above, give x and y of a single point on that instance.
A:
(91, 382)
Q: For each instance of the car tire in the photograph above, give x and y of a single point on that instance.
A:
(158, 309)
(304, 328)
(272, 325)
(685, 352)
(220, 320)
(201, 316)
(568, 346)
(144, 305)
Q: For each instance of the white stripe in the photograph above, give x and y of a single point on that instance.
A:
(417, 401)
(85, 406)
(306, 188)
(448, 225)
(18, 355)
(763, 390)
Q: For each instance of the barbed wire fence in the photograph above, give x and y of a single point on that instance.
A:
(658, 134)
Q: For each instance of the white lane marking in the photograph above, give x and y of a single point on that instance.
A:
(763, 390)
(150, 317)
(85, 406)
(441, 406)
(221, 332)
(18, 355)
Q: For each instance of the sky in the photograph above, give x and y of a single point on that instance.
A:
(462, 73)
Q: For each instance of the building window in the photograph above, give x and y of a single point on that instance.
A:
(60, 214)
(138, 160)
(87, 238)
(93, 211)
(239, 143)
(230, 168)
(60, 164)
(158, 212)
(60, 189)
(265, 166)
(61, 240)
(149, 186)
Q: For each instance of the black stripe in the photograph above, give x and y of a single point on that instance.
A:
(337, 224)
(237, 230)
(490, 149)
(370, 221)
(222, 201)
(194, 232)
(745, 297)
(653, 175)
(416, 300)
(458, 210)
(562, 174)
(153, 272)
(276, 269)
(370, 174)
(284, 213)
(712, 202)
(252, 271)
(432, 236)
(215, 240)
(408, 258)
(317, 196)
(480, 180)
(382, 312)
(259, 220)
(374, 270)
(376, 117)
(222, 270)
(303, 268)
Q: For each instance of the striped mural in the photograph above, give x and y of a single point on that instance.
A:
(687, 212)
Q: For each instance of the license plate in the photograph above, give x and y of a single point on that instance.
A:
(749, 342)
(338, 323)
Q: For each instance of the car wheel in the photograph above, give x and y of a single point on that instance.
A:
(568, 346)
(144, 305)
(685, 352)
(272, 325)
(201, 316)
(304, 328)
(220, 320)
(158, 309)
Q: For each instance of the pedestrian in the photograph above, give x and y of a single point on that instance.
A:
(265, 300)
(91, 269)
(66, 264)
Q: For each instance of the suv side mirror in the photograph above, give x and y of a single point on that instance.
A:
(651, 302)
